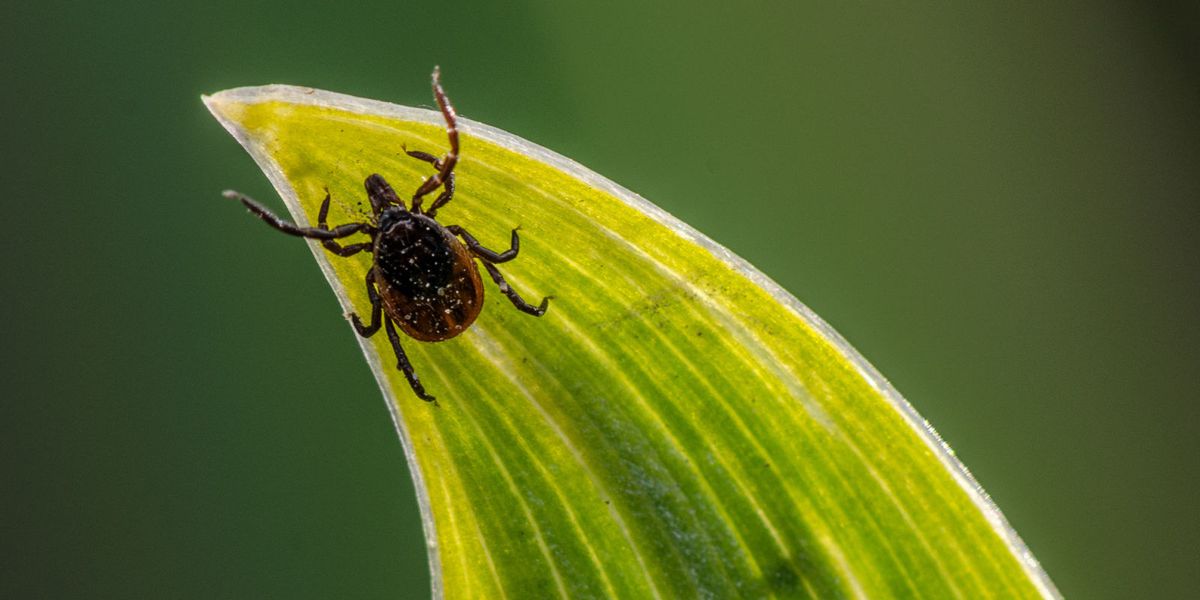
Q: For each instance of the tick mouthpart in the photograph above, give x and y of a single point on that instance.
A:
(381, 194)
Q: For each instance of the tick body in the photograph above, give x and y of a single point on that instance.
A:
(424, 280)
(428, 281)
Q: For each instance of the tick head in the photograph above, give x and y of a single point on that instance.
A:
(382, 196)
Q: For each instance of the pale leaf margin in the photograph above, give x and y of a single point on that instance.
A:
(325, 99)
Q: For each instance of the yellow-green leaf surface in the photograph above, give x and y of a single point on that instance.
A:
(675, 426)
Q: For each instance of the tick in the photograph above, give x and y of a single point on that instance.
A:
(423, 279)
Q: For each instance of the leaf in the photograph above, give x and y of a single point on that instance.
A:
(676, 425)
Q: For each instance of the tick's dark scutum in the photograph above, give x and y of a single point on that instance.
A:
(426, 277)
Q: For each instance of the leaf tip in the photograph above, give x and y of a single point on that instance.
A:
(223, 105)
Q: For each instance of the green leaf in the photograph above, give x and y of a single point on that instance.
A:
(676, 425)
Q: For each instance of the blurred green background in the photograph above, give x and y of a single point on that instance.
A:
(996, 204)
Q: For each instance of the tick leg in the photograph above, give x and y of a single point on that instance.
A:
(443, 198)
(489, 255)
(405, 366)
(350, 250)
(512, 294)
(425, 156)
(451, 158)
(447, 194)
(317, 233)
(331, 245)
(376, 309)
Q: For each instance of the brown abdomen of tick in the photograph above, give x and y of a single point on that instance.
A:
(428, 280)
